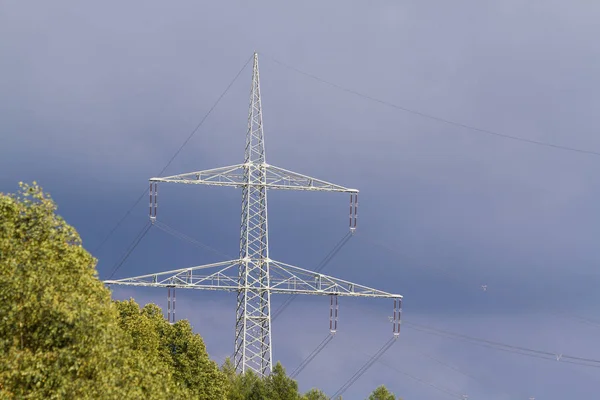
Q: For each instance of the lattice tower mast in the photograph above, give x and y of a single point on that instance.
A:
(255, 276)
(253, 312)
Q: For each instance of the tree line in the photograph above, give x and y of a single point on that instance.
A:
(62, 337)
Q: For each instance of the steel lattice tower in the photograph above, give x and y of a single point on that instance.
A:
(253, 313)
(254, 276)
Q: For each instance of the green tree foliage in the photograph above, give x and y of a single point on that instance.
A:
(280, 386)
(173, 348)
(231, 379)
(315, 394)
(58, 327)
(249, 386)
(381, 393)
(244, 386)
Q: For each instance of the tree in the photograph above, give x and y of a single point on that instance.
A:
(58, 331)
(174, 350)
(315, 394)
(234, 391)
(381, 393)
(280, 386)
(249, 386)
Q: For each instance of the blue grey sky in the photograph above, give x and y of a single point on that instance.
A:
(96, 98)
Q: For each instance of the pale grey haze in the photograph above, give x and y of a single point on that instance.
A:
(95, 98)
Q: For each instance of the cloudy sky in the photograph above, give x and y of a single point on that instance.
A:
(96, 98)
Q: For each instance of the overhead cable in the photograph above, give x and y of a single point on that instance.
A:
(453, 395)
(428, 268)
(311, 356)
(579, 318)
(332, 253)
(433, 117)
(142, 233)
(453, 368)
(182, 236)
(185, 142)
(546, 355)
(365, 367)
(495, 345)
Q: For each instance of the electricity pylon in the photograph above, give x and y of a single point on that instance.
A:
(254, 276)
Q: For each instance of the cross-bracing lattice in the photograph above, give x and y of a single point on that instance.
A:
(254, 276)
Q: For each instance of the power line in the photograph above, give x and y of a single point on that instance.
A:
(132, 247)
(365, 367)
(579, 318)
(185, 142)
(546, 355)
(182, 236)
(449, 366)
(433, 117)
(120, 222)
(311, 356)
(332, 253)
(454, 395)
(424, 267)
(453, 368)
(434, 270)
(424, 382)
